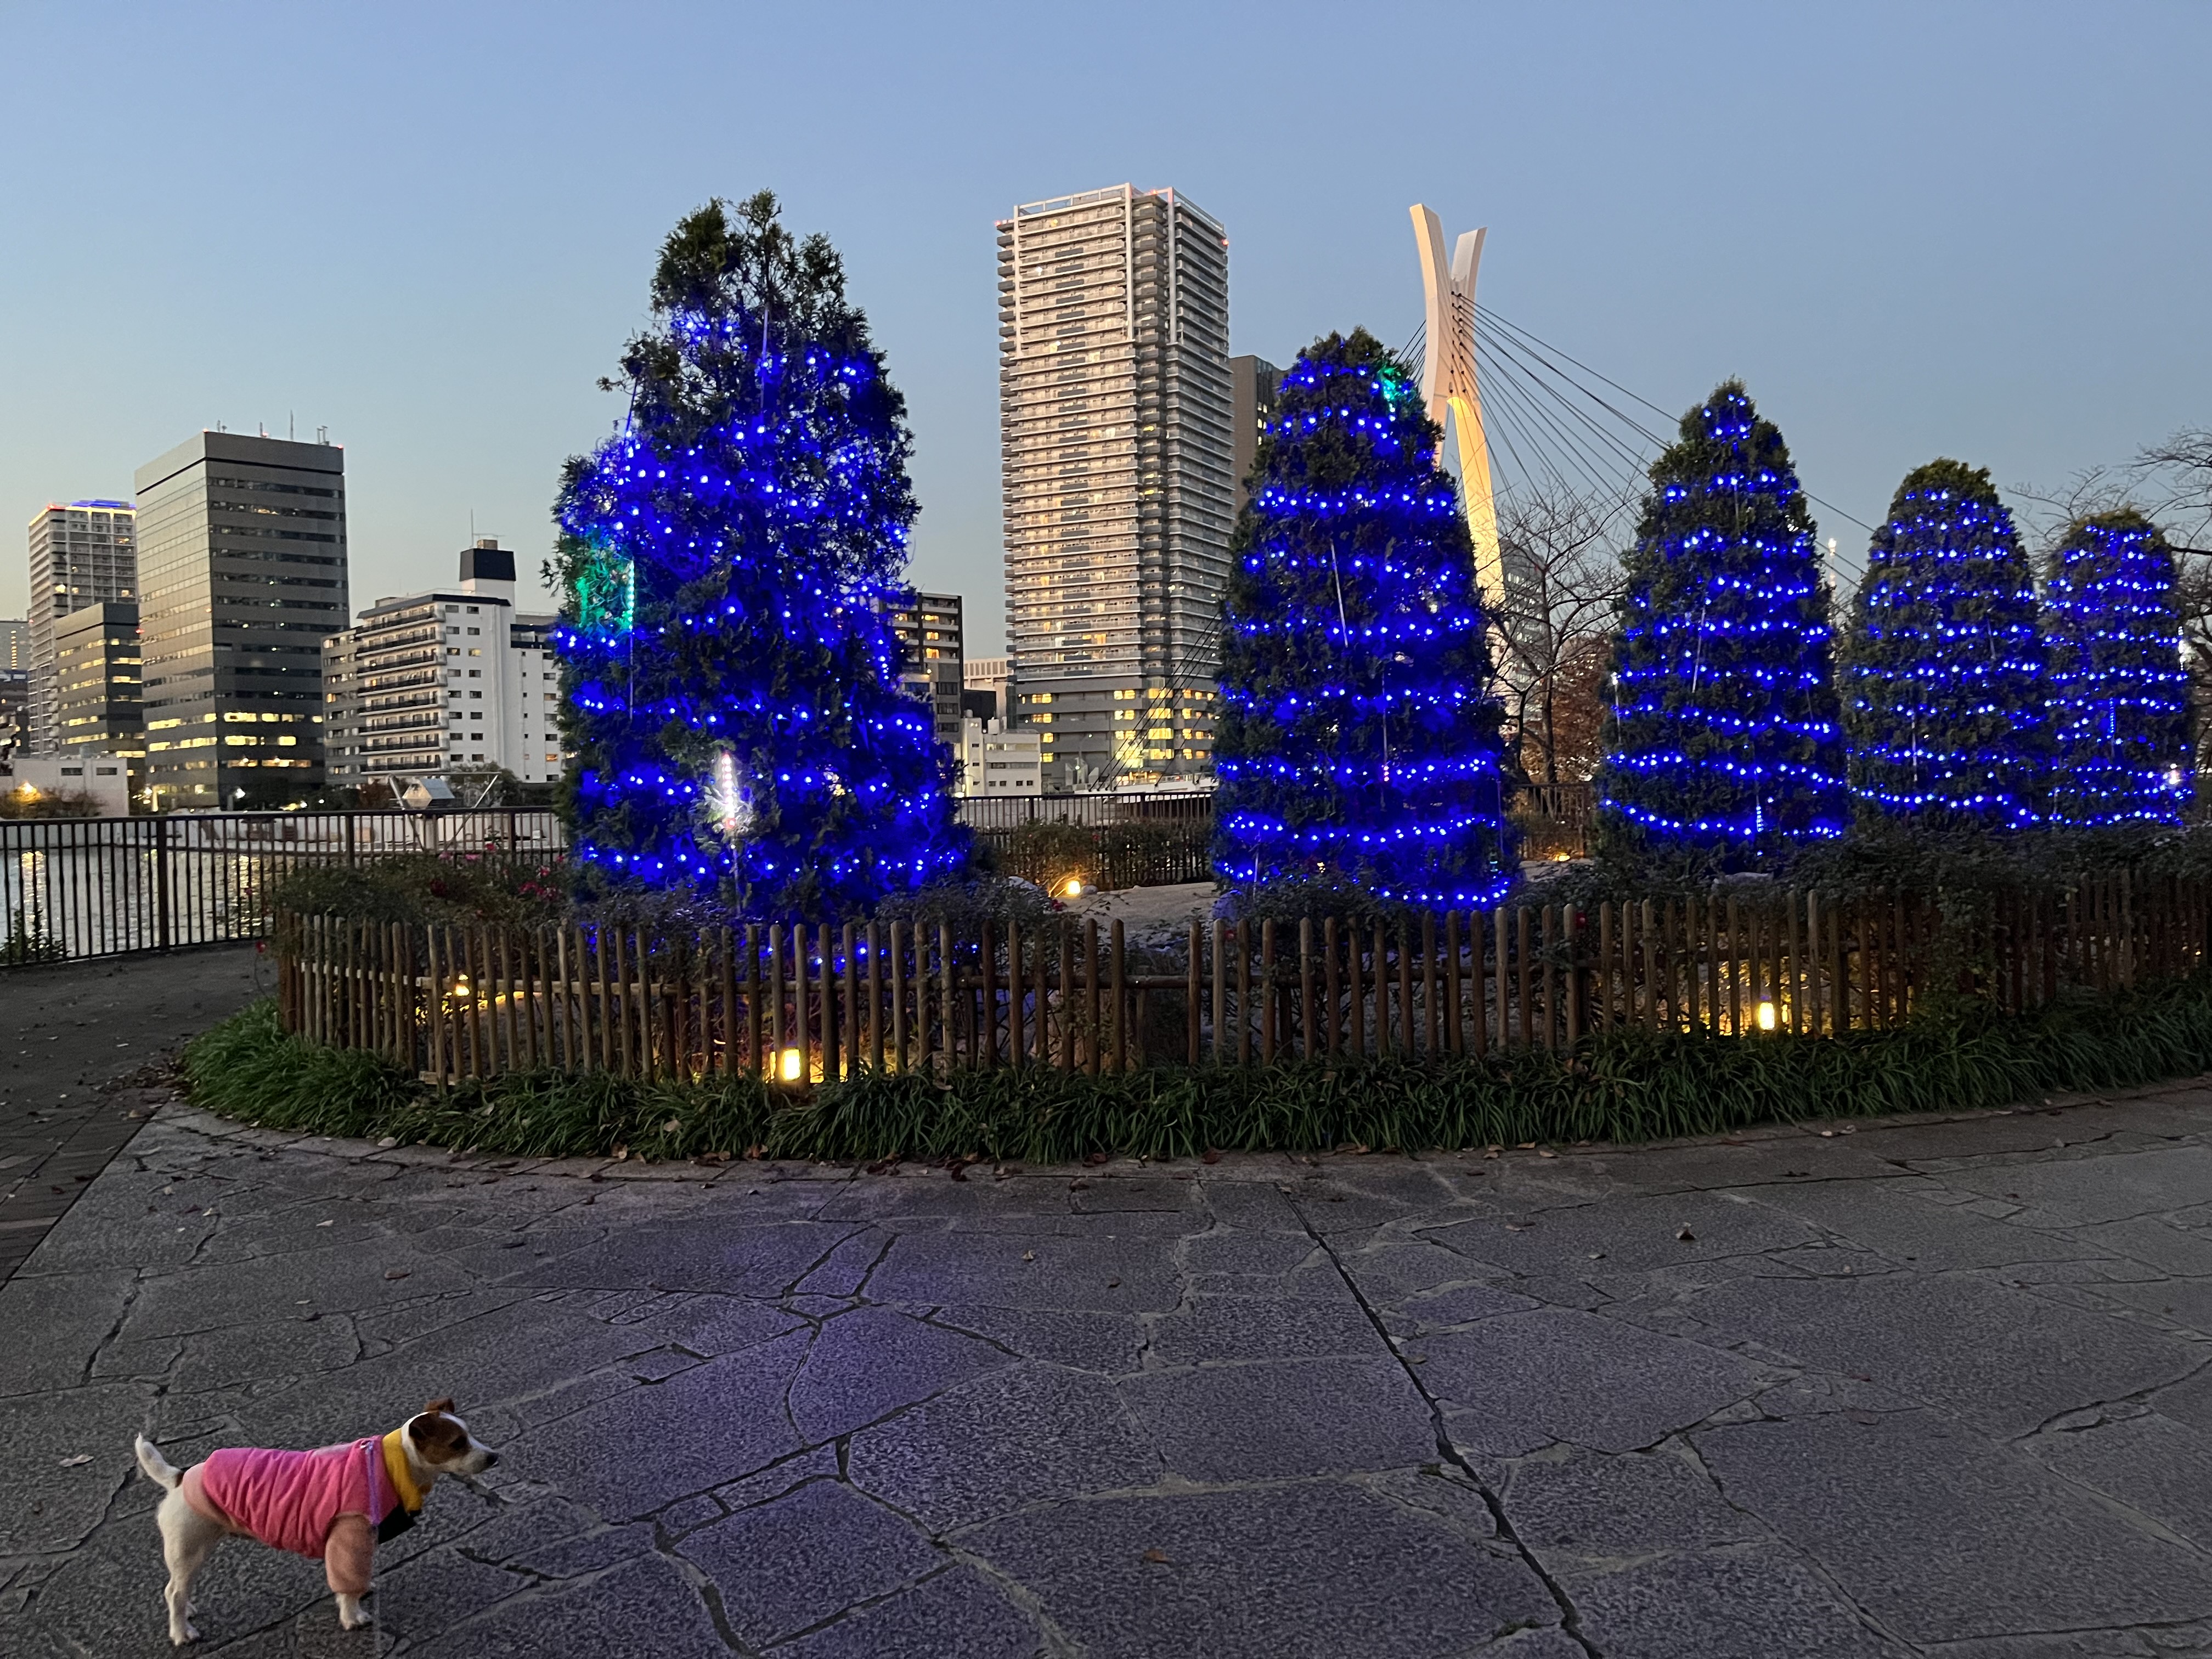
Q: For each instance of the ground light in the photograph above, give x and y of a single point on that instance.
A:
(1765, 1015)
(791, 1066)
(1073, 888)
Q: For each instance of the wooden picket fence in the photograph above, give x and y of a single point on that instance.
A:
(805, 1004)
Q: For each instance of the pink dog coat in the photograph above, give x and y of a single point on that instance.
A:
(288, 1500)
(296, 1501)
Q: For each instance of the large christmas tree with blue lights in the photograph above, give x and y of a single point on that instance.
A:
(1723, 743)
(2119, 698)
(1943, 661)
(731, 557)
(1359, 739)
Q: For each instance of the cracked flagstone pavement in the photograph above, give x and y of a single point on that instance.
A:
(1937, 1387)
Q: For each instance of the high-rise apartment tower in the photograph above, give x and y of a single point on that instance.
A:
(934, 639)
(242, 555)
(1115, 439)
(82, 553)
(1254, 383)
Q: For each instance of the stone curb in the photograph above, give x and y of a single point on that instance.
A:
(1231, 1166)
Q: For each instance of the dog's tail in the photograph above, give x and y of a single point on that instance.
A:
(158, 1468)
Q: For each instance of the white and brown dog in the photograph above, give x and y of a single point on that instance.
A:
(334, 1505)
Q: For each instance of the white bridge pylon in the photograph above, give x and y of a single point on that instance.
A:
(1447, 385)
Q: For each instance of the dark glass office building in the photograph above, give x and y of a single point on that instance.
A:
(242, 575)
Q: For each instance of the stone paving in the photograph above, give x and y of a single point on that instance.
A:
(69, 1036)
(1917, 1388)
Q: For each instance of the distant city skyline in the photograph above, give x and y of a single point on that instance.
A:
(1901, 259)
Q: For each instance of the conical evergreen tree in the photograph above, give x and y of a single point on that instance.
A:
(730, 556)
(1723, 743)
(2119, 699)
(1358, 740)
(1943, 661)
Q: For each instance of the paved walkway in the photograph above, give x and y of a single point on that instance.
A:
(71, 1039)
(1915, 1390)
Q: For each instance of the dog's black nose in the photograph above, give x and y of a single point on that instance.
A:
(490, 1458)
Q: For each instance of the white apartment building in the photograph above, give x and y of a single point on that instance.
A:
(1118, 451)
(995, 762)
(82, 553)
(989, 674)
(106, 778)
(445, 681)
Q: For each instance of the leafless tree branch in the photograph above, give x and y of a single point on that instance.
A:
(1561, 552)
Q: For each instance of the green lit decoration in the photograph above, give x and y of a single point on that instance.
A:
(606, 592)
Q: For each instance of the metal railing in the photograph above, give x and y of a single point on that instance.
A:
(1099, 807)
(76, 888)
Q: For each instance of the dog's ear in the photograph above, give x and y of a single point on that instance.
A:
(439, 1405)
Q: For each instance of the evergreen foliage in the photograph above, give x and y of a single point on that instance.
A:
(1943, 661)
(730, 557)
(1723, 743)
(2119, 699)
(1623, 1086)
(1358, 737)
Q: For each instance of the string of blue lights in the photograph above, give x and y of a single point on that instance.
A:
(1358, 740)
(2119, 698)
(1943, 661)
(1724, 740)
(732, 556)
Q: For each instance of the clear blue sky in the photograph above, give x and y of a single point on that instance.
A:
(1922, 228)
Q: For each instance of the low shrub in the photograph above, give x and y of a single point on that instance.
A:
(28, 803)
(1624, 1087)
(416, 887)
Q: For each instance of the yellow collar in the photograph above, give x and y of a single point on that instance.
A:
(398, 1472)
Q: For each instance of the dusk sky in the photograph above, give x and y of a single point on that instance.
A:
(1914, 230)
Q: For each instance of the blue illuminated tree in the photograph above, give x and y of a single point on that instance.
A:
(1943, 661)
(1359, 739)
(2119, 699)
(730, 558)
(1723, 743)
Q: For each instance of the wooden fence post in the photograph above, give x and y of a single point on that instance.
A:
(1504, 986)
(1355, 994)
(1267, 992)
(1454, 1032)
(1306, 988)
(1120, 1002)
(1191, 1010)
(1220, 990)
(1090, 995)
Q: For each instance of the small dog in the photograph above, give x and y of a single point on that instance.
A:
(334, 1505)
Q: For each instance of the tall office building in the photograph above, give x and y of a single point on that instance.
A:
(15, 684)
(930, 627)
(448, 681)
(1254, 383)
(82, 553)
(1115, 421)
(15, 711)
(242, 551)
(96, 701)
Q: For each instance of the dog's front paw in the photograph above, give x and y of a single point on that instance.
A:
(351, 1614)
(178, 1637)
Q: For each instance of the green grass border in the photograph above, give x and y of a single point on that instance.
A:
(1625, 1087)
